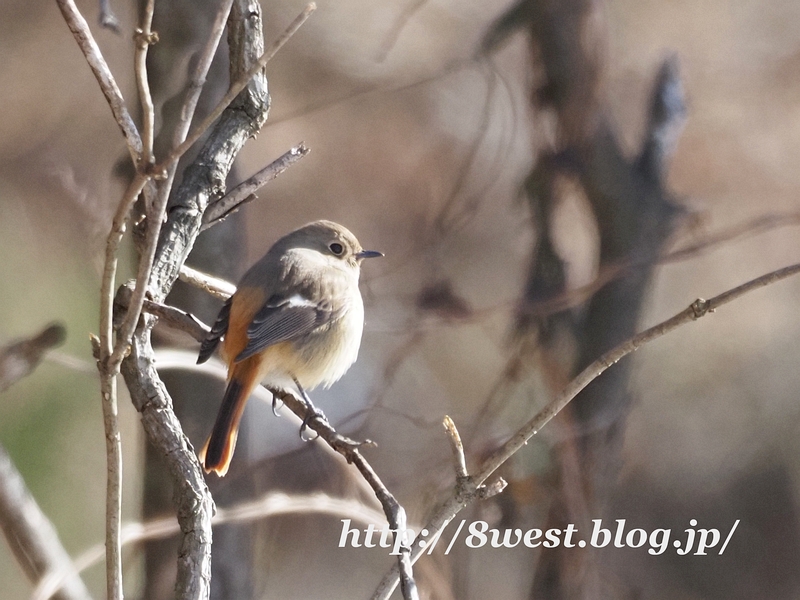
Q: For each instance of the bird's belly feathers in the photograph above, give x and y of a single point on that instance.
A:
(328, 352)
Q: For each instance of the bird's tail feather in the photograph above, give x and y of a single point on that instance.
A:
(217, 453)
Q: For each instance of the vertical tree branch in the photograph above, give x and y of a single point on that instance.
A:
(144, 38)
(108, 392)
(241, 114)
(108, 363)
(193, 502)
(634, 214)
(203, 181)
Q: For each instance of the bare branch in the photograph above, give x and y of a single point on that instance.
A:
(193, 502)
(198, 78)
(178, 319)
(146, 258)
(699, 308)
(144, 38)
(205, 179)
(118, 227)
(219, 288)
(245, 191)
(80, 31)
(469, 490)
(751, 227)
(108, 391)
(237, 87)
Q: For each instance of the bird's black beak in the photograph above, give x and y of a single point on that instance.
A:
(368, 254)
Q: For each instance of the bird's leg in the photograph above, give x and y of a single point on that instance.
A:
(275, 406)
(312, 412)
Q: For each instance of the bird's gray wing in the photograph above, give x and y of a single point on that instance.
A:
(217, 331)
(283, 319)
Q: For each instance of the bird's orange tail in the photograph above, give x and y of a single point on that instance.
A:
(217, 453)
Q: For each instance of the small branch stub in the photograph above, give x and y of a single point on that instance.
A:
(487, 491)
(143, 39)
(457, 447)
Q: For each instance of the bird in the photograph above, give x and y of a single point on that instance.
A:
(296, 317)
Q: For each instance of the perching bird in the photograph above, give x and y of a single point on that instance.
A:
(296, 318)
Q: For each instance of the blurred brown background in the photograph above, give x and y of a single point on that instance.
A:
(421, 150)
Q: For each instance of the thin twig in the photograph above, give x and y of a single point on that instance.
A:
(108, 391)
(245, 191)
(118, 228)
(470, 489)
(236, 87)
(146, 259)
(395, 514)
(751, 227)
(178, 319)
(144, 37)
(110, 359)
(195, 86)
(219, 288)
(611, 272)
(80, 30)
(198, 78)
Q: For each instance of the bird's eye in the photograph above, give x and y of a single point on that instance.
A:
(336, 248)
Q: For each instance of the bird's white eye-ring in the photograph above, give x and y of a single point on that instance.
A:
(336, 248)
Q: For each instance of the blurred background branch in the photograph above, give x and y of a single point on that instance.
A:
(19, 358)
(29, 533)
